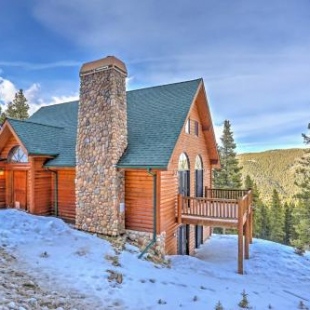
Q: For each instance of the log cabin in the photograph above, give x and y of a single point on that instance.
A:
(137, 162)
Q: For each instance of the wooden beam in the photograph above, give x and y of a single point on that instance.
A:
(240, 237)
(247, 239)
(212, 222)
(251, 226)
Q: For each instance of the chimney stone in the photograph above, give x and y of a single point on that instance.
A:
(101, 141)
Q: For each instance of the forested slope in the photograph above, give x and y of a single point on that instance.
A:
(271, 170)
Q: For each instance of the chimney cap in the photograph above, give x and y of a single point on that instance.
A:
(103, 64)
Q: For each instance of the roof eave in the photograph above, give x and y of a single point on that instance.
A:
(157, 167)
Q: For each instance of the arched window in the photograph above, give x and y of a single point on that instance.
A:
(183, 162)
(199, 176)
(17, 155)
(198, 163)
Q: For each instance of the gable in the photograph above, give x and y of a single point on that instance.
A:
(155, 118)
(8, 140)
(201, 142)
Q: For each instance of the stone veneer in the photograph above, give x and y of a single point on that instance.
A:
(142, 239)
(101, 141)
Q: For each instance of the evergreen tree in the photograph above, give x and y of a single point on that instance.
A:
(229, 175)
(276, 218)
(261, 212)
(302, 210)
(288, 223)
(264, 218)
(18, 108)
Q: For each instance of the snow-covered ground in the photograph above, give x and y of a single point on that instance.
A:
(64, 260)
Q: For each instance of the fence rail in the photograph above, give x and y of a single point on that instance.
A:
(221, 207)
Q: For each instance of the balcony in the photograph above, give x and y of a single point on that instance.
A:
(221, 208)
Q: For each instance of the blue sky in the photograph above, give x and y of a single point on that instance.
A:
(254, 56)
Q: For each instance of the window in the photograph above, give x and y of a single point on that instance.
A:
(198, 163)
(17, 155)
(188, 126)
(196, 128)
(183, 162)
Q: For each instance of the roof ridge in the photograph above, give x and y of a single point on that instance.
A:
(30, 122)
(164, 85)
(59, 103)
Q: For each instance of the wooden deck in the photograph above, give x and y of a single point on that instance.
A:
(221, 208)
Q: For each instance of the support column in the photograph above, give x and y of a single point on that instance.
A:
(240, 236)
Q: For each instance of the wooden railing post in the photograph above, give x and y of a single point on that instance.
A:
(180, 201)
(240, 236)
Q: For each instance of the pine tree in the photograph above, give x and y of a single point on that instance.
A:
(261, 213)
(229, 176)
(264, 218)
(276, 218)
(18, 108)
(288, 223)
(2, 116)
(302, 210)
(306, 137)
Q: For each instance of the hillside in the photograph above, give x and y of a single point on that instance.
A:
(271, 170)
(46, 264)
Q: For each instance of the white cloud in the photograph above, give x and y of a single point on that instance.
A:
(39, 66)
(37, 102)
(7, 91)
(32, 94)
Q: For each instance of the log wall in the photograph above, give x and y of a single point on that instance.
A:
(66, 194)
(138, 200)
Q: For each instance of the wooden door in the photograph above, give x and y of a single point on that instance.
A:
(2, 190)
(183, 240)
(19, 189)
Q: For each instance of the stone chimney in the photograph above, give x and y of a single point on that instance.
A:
(101, 141)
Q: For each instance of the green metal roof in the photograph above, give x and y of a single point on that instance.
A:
(155, 118)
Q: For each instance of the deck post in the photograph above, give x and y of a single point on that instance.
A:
(251, 225)
(247, 238)
(240, 236)
(180, 198)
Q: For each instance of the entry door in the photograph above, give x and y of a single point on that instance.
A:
(183, 240)
(20, 189)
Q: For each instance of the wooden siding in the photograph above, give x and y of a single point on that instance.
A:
(42, 187)
(11, 142)
(192, 145)
(139, 200)
(168, 203)
(66, 194)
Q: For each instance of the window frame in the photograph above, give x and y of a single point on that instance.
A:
(19, 154)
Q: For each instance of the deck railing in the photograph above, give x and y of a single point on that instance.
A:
(218, 204)
(221, 208)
